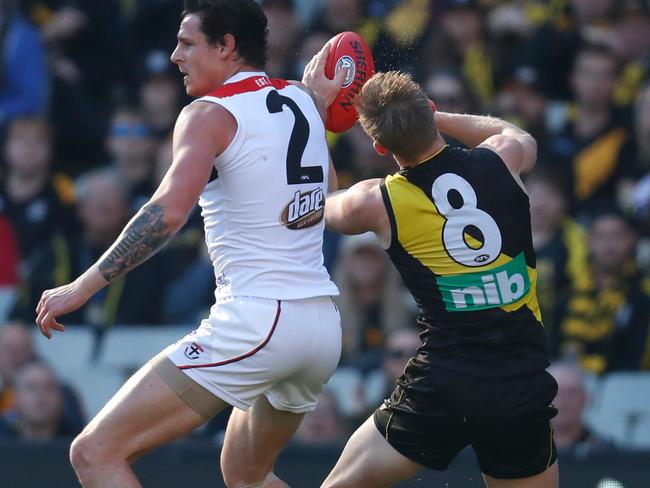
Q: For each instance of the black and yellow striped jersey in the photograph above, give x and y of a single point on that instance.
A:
(462, 242)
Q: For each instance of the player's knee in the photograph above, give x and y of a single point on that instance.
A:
(337, 483)
(86, 455)
(82, 454)
(238, 478)
(329, 484)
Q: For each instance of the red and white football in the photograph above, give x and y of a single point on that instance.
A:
(347, 50)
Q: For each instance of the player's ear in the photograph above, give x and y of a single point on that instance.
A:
(379, 149)
(228, 44)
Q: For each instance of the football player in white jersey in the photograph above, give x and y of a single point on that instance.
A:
(252, 151)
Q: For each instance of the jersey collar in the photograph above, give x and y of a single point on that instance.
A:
(242, 75)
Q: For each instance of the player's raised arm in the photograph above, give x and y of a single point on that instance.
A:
(358, 209)
(201, 132)
(515, 146)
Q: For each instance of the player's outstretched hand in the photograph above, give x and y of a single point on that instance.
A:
(56, 302)
(314, 76)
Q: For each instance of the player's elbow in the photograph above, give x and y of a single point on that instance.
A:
(334, 217)
(175, 220)
(530, 153)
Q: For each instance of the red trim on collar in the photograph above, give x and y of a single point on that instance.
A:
(253, 83)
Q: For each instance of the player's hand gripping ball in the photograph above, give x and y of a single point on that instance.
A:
(347, 50)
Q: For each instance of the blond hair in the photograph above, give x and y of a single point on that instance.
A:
(395, 112)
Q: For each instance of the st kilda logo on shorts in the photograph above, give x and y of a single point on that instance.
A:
(305, 210)
(193, 351)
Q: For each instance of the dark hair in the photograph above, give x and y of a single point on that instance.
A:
(31, 121)
(600, 50)
(604, 210)
(544, 173)
(243, 19)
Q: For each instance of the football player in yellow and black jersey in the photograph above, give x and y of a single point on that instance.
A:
(456, 224)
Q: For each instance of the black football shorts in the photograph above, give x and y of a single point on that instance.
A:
(434, 413)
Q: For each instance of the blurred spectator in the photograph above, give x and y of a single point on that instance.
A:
(521, 100)
(449, 91)
(282, 38)
(160, 95)
(9, 262)
(130, 299)
(150, 26)
(512, 21)
(606, 319)
(38, 202)
(366, 162)
(372, 300)
(634, 190)
(630, 39)
(131, 146)
(23, 76)
(38, 413)
(587, 150)
(553, 47)
(401, 345)
(322, 426)
(460, 41)
(189, 296)
(164, 157)
(560, 245)
(16, 351)
(403, 29)
(311, 43)
(84, 44)
(338, 16)
(570, 433)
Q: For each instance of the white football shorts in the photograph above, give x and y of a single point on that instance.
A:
(283, 349)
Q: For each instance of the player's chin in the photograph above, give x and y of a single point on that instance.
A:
(195, 91)
(189, 91)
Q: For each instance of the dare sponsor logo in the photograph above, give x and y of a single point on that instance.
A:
(305, 210)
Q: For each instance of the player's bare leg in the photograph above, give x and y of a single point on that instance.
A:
(369, 461)
(144, 414)
(547, 479)
(253, 442)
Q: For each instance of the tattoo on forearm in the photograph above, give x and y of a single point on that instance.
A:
(140, 240)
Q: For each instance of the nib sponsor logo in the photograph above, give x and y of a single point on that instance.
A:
(496, 287)
(305, 210)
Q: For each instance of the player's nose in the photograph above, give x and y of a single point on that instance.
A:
(175, 58)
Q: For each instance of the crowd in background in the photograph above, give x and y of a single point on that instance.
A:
(88, 99)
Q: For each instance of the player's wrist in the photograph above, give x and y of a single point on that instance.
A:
(90, 282)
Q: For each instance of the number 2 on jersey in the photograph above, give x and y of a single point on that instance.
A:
(296, 173)
(459, 218)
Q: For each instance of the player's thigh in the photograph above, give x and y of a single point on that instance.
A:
(144, 414)
(547, 479)
(369, 461)
(254, 439)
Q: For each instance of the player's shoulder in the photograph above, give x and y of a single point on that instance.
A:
(202, 121)
(203, 111)
(368, 187)
(514, 150)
